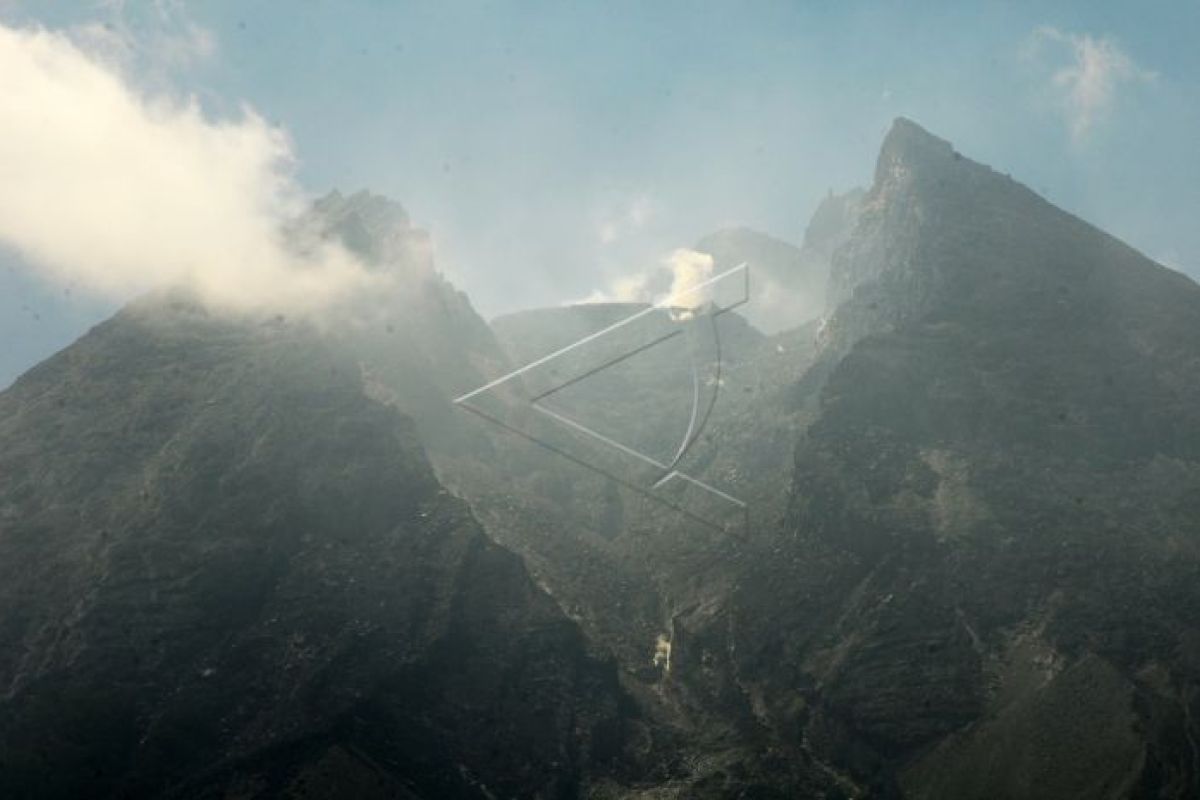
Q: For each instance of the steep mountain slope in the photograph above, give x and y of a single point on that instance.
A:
(986, 584)
(224, 572)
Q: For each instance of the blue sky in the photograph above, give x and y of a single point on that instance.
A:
(551, 147)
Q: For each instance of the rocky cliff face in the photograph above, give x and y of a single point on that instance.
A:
(986, 580)
(224, 572)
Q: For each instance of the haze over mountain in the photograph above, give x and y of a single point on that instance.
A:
(788, 284)
(255, 556)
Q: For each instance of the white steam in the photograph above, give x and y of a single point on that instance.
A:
(117, 192)
(676, 282)
(689, 269)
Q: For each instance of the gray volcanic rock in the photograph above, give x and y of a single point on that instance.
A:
(988, 580)
(224, 572)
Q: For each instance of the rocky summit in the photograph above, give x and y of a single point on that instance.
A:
(261, 557)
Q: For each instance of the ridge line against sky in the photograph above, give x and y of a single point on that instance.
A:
(561, 148)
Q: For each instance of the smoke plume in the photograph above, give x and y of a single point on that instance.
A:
(115, 191)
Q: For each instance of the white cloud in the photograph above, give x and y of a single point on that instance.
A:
(1088, 81)
(117, 191)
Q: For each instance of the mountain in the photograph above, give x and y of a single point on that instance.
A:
(975, 576)
(985, 584)
(262, 557)
(229, 570)
(226, 572)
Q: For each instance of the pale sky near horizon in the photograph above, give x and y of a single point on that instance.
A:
(552, 147)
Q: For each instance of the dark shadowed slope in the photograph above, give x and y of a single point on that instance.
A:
(224, 572)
